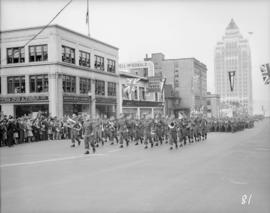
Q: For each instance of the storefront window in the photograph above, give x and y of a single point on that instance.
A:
(84, 59)
(110, 66)
(16, 84)
(111, 89)
(68, 54)
(99, 62)
(100, 87)
(15, 55)
(85, 85)
(39, 83)
(69, 84)
(38, 53)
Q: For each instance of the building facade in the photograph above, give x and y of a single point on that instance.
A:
(172, 101)
(213, 105)
(139, 102)
(188, 77)
(60, 72)
(232, 54)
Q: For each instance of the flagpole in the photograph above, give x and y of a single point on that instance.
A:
(87, 18)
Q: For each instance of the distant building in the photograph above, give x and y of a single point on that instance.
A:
(188, 77)
(213, 105)
(233, 54)
(172, 101)
(59, 72)
(139, 102)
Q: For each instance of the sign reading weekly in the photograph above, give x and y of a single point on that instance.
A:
(155, 83)
(24, 99)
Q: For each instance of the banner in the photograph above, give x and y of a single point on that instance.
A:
(231, 79)
(156, 84)
(265, 70)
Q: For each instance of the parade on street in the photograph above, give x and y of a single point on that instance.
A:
(134, 106)
(214, 173)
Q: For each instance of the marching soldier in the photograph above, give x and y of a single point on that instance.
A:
(89, 136)
(75, 128)
(173, 133)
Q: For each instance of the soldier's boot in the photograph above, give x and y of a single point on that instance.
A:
(87, 152)
(121, 146)
(146, 147)
(73, 145)
(156, 144)
(171, 148)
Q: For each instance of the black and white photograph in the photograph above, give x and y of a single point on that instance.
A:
(134, 106)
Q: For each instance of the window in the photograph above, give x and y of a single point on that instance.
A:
(39, 83)
(68, 55)
(38, 53)
(142, 93)
(85, 85)
(100, 87)
(176, 83)
(145, 72)
(135, 94)
(84, 59)
(111, 89)
(15, 55)
(99, 62)
(69, 84)
(111, 65)
(16, 84)
(156, 96)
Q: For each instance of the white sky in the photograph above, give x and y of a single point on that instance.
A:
(176, 28)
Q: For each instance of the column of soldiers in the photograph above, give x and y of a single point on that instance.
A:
(147, 131)
(230, 124)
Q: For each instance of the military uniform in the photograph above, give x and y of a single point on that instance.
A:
(89, 136)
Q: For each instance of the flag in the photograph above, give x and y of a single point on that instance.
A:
(130, 85)
(231, 79)
(162, 83)
(180, 116)
(265, 70)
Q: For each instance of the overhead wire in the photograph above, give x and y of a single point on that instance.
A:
(42, 28)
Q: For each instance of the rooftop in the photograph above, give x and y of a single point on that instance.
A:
(232, 25)
(62, 28)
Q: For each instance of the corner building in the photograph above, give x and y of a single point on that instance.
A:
(60, 72)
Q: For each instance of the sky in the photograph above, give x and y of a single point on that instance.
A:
(178, 29)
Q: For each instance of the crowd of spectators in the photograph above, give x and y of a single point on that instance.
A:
(27, 129)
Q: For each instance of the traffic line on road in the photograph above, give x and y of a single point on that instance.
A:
(50, 160)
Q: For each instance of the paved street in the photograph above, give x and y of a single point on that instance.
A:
(209, 176)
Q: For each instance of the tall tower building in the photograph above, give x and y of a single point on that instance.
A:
(232, 54)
